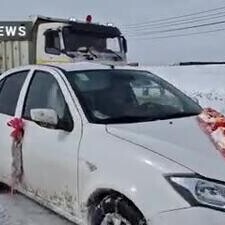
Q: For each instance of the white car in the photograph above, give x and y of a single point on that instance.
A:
(111, 145)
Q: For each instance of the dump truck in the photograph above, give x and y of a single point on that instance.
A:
(54, 40)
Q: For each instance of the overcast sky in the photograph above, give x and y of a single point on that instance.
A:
(123, 12)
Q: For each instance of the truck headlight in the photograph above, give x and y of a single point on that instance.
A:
(199, 191)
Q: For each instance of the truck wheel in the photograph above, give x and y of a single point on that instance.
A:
(115, 210)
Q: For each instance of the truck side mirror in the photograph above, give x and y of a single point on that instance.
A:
(52, 42)
(124, 42)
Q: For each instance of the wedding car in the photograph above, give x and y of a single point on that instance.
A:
(109, 144)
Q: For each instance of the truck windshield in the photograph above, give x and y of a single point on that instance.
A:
(74, 41)
(128, 96)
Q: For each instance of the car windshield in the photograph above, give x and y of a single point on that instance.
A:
(128, 96)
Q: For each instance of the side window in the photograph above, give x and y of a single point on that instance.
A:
(44, 92)
(10, 89)
(52, 42)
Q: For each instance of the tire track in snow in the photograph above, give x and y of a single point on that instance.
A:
(4, 218)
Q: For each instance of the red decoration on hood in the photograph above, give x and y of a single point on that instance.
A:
(18, 125)
(213, 123)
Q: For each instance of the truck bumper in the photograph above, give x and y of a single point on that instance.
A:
(190, 216)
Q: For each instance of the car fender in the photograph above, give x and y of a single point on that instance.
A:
(114, 164)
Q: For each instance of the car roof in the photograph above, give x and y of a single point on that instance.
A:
(76, 66)
(86, 65)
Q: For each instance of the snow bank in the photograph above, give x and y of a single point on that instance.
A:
(206, 83)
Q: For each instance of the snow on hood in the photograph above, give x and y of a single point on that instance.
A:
(180, 140)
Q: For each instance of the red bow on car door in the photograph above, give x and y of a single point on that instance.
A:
(16, 150)
(18, 125)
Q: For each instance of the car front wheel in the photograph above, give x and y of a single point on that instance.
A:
(115, 210)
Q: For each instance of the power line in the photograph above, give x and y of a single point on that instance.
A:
(174, 17)
(178, 22)
(182, 28)
(179, 35)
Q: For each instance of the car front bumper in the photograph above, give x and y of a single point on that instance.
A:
(190, 216)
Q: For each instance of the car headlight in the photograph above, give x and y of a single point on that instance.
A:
(199, 191)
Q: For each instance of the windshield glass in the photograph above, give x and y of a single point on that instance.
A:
(126, 96)
(74, 41)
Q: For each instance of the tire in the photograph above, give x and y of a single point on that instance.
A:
(114, 209)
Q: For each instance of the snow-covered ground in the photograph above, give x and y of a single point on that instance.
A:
(206, 83)
(18, 210)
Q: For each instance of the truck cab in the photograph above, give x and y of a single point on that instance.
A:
(64, 41)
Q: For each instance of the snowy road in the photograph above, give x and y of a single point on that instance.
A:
(18, 210)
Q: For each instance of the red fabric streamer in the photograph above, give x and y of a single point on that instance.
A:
(16, 150)
(18, 125)
(213, 124)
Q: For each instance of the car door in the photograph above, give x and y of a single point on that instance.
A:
(50, 155)
(10, 89)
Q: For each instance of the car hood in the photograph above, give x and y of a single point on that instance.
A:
(181, 140)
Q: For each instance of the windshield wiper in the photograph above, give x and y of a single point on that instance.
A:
(180, 115)
(83, 51)
(138, 119)
(127, 119)
(67, 54)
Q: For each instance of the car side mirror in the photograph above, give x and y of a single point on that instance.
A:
(45, 117)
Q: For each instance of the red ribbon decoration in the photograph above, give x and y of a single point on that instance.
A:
(213, 124)
(18, 125)
(211, 119)
(17, 161)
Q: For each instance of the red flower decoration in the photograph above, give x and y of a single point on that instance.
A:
(18, 125)
(213, 124)
(218, 124)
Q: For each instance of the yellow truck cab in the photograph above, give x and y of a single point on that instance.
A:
(61, 41)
